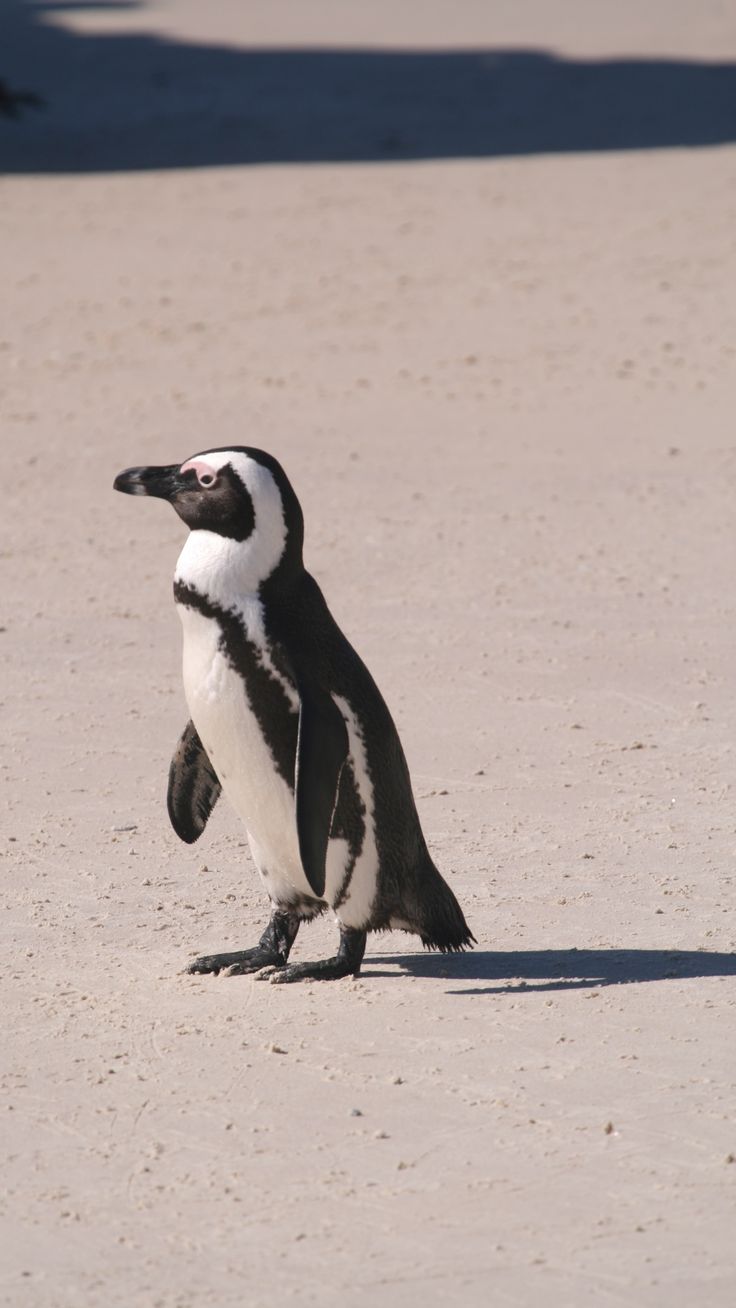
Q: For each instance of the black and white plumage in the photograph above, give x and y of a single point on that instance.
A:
(288, 722)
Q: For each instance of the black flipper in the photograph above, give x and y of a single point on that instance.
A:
(193, 787)
(321, 750)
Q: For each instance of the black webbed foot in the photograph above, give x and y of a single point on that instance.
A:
(346, 962)
(326, 969)
(272, 950)
(237, 963)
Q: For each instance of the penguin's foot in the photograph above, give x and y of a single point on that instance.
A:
(272, 950)
(236, 964)
(327, 969)
(346, 962)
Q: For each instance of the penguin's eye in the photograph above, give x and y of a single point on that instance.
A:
(207, 479)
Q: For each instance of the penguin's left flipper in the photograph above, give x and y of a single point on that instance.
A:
(193, 787)
(322, 748)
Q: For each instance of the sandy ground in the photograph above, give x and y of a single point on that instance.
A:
(502, 387)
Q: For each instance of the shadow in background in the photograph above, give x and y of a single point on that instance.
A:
(558, 969)
(122, 101)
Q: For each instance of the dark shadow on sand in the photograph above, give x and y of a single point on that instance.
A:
(119, 101)
(518, 971)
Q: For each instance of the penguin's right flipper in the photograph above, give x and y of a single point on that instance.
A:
(193, 787)
(322, 748)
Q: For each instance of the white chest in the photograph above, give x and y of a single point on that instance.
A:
(233, 736)
(218, 701)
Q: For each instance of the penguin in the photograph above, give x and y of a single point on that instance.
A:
(287, 721)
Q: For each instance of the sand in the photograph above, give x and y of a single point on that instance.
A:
(502, 387)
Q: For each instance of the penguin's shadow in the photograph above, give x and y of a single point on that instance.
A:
(526, 971)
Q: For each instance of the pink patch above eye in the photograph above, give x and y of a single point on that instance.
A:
(201, 468)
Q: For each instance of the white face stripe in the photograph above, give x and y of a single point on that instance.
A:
(214, 460)
(224, 568)
(268, 539)
(201, 468)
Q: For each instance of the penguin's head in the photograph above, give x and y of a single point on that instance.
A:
(242, 494)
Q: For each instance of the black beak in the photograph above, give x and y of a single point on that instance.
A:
(164, 483)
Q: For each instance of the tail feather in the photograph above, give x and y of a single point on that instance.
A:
(440, 920)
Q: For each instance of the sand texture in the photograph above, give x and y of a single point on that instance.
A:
(494, 350)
